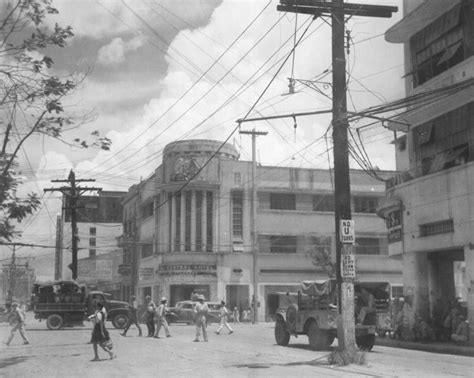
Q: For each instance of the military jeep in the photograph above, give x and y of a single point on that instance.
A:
(314, 313)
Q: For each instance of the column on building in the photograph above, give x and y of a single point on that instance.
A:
(172, 222)
(193, 221)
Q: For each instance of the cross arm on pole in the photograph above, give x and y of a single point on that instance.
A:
(326, 7)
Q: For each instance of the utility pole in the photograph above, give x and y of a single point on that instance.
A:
(253, 222)
(344, 227)
(72, 193)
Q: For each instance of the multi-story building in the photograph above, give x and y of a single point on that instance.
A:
(191, 225)
(429, 207)
(99, 224)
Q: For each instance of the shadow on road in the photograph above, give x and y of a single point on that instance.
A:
(5, 362)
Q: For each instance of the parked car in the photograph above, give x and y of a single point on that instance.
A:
(183, 312)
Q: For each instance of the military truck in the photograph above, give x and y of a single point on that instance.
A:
(315, 314)
(67, 303)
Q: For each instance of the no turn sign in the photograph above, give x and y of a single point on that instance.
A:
(346, 231)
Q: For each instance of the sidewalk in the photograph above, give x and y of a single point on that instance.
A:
(433, 347)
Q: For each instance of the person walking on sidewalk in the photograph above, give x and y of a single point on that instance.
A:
(223, 319)
(149, 316)
(160, 319)
(19, 324)
(133, 306)
(236, 315)
(100, 335)
(461, 335)
(200, 313)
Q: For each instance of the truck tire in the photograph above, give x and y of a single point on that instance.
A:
(120, 321)
(366, 342)
(319, 339)
(291, 312)
(282, 336)
(54, 321)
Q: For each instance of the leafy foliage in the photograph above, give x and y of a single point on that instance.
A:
(30, 97)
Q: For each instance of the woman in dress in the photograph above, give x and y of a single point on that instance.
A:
(99, 334)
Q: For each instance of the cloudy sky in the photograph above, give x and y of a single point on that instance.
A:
(166, 70)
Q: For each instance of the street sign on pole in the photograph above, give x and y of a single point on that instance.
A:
(346, 231)
(348, 266)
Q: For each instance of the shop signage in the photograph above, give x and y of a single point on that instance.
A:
(124, 269)
(187, 269)
(145, 274)
(346, 231)
(394, 225)
(348, 266)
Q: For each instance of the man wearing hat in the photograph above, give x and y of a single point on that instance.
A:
(19, 325)
(462, 331)
(160, 319)
(200, 312)
(133, 306)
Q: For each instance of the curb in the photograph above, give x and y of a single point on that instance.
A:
(427, 347)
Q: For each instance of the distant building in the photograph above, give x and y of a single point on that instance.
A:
(99, 223)
(18, 279)
(188, 229)
(429, 207)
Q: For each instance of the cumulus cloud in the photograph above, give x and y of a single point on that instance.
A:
(114, 52)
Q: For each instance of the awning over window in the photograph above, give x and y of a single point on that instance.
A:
(446, 158)
(419, 18)
(449, 53)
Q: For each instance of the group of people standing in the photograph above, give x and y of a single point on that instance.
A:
(448, 323)
(155, 317)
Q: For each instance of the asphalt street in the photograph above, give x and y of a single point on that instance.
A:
(249, 352)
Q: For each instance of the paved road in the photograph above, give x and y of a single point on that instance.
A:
(249, 352)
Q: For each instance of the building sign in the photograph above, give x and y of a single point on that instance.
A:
(348, 266)
(124, 269)
(393, 221)
(346, 231)
(145, 274)
(188, 269)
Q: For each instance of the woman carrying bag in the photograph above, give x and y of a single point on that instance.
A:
(100, 336)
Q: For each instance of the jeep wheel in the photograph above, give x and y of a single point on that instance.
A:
(282, 336)
(319, 339)
(291, 312)
(54, 322)
(120, 321)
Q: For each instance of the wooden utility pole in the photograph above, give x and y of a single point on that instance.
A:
(253, 222)
(344, 226)
(72, 194)
(12, 273)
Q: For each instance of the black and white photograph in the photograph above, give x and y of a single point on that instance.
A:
(236, 188)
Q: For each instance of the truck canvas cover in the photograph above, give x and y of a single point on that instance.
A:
(317, 288)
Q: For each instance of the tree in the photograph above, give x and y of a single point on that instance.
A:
(321, 256)
(31, 98)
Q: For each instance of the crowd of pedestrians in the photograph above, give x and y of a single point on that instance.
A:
(447, 323)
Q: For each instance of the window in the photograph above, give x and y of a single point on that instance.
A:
(397, 291)
(92, 252)
(199, 221)
(92, 242)
(367, 246)
(147, 210)
(282, 201)
(434, 228)
(237, 179)
(365, 204)
(147, 250)
(447, 144)
(282, 244)
(177, 235)
(92, 231)
(209, 218)
(187, 221)
(237, 215)
(324, 202)
(439, 46)
(402, 144)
